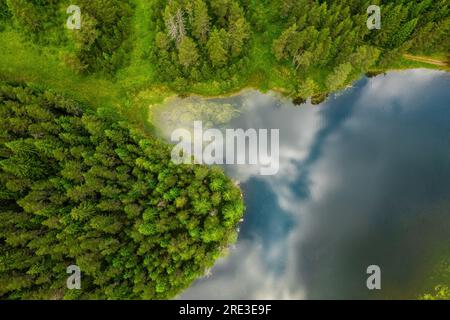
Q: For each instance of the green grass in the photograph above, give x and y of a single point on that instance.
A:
(130, 93)
(404, 63)
(140, 72)
(135, 87)
(41, 66)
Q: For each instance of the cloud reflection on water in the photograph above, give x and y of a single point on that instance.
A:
(363, 180)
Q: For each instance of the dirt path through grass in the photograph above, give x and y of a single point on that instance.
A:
(429, 60)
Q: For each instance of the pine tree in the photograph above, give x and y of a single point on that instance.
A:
(201, 21)
(340, 74)
(83, 187)
(187, 52)
(218, 54)
(239, 33)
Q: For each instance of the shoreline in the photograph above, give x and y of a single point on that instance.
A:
(280, 91)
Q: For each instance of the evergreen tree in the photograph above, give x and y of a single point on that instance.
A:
(339, 76)
(85, 188)
(218, 54)
(187, 52)
(201, 21)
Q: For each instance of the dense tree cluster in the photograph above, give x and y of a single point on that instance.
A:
(37, 19)
(324, 44)
(4, 11)
(199, 40)
(99, 46)
(84, 188)
(421, 26)
(228, 43)
(332, 35)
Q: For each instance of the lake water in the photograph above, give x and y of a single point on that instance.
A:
(364, 180)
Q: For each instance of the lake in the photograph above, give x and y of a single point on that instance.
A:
(364, 180)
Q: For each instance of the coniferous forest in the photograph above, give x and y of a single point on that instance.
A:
(85, 180)
(300, 47)
(84, 188)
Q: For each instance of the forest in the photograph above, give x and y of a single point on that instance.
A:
(80, 187)
(85, 180)
(300, 47)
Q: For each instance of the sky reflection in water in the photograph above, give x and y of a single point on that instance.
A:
(364, 179)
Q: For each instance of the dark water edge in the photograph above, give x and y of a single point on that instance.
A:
(364, 179)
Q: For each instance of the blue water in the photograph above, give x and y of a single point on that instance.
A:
(364, 179)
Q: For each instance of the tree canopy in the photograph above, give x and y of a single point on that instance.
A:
(234, 43)
(87, 187)
(218, 30)
(84, 188)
